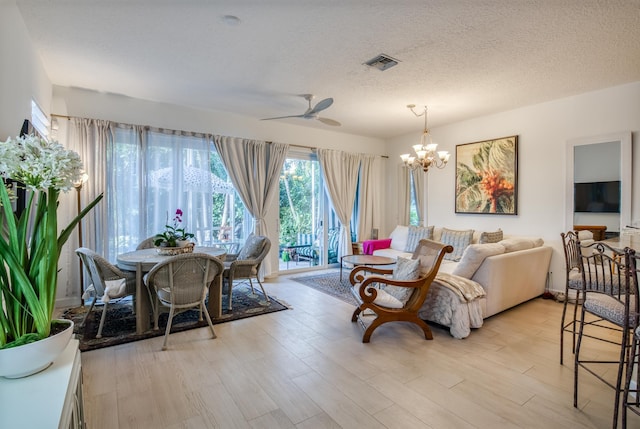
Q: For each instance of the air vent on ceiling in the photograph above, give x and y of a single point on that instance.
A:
(382, 62)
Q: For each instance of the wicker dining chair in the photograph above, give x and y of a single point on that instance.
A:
(102, 275)
(245, 265)
(181, 283)
(147, 243)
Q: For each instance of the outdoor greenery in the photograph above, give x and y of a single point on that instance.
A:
(228, 209)
(299, 184)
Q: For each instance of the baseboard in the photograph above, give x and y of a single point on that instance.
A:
(67, 302)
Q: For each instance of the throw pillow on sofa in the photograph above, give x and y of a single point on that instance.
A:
(406, 269)
(491, 237)
(474, 256)
(417, 233)
(459, 240)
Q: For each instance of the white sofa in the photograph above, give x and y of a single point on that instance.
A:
(511, 271)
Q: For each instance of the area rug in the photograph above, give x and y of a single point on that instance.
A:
(120, 324)
(330, 284)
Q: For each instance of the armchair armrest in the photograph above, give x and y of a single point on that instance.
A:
(230, 257)
(373, 270)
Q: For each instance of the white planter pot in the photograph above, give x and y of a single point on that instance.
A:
(22, 361)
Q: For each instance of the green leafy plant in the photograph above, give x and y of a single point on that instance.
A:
(30, 245)
(172, 233)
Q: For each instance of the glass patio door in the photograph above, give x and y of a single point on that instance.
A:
(301, 237)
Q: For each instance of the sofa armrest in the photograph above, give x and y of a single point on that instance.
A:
(369, 246)
(513, 278)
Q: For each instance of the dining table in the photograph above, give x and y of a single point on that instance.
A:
(143, 260)
(623, 241)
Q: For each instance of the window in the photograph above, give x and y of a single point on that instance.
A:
(413, 207)
(39, 120)
(152, 173)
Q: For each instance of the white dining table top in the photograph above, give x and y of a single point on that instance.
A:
(150, 257)
(624, 240)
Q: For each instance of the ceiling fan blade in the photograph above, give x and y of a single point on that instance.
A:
(283, 117)
(328, 121)
(320, 106)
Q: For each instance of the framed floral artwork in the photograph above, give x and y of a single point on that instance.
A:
(487, 177)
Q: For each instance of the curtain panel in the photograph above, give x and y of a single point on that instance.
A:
(404, 195)
(340, 173)
(418, 178)
(254, 169)
(369, 196)
(91, 138)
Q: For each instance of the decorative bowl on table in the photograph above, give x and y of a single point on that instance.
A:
(172, 251)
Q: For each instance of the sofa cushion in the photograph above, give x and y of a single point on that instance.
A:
(417, 233)
(491, 237)
(474, 256)
(383, 299)
(399, 237)
(252, 247)
(459, 240)
(514, 244)
(406, 269)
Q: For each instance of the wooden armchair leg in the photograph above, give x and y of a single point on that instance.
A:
(356, 313)
(428, 335)
(372, 327)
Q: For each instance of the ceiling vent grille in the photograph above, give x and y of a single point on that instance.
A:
(382, 62)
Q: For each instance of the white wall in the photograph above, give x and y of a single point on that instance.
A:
(22, 76)
(543, 131)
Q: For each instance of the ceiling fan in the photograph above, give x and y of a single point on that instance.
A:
(312, 112)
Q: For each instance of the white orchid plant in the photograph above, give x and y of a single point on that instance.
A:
(30, 245)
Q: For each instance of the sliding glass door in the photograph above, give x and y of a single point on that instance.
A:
(301, 238)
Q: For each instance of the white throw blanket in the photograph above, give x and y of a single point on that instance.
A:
(455, 302)
(467, 290)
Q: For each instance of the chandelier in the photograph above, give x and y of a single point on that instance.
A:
(426, 153)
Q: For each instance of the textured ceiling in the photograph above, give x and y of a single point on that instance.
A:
(462, 58)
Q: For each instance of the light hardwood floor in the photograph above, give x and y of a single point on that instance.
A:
(307, 368)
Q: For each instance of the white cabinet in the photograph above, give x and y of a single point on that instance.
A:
(49, 399)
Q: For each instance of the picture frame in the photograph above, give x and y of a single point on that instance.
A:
(487, 177)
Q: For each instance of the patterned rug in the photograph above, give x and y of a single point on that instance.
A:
(330, 284)
(120, 324)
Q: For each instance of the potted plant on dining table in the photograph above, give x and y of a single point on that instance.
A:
(174, 239)
(30, 247)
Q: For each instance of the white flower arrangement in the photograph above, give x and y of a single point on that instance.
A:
(29, 244)
(39, 164)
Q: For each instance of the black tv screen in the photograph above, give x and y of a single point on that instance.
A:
(597, 197)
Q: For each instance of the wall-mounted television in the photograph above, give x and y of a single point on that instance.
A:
(597, 197)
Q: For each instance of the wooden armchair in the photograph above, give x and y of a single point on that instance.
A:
(370, 294)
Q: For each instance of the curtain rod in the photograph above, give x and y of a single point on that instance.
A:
(290, 144)
(311, 147)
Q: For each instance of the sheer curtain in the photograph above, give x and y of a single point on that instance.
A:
(91, 138)
(340, 173)
(254, 169)
(153, 173)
